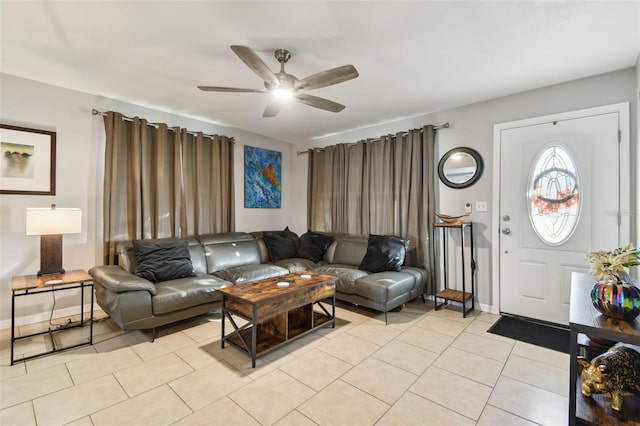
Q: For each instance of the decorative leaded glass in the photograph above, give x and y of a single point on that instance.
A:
(554, 195)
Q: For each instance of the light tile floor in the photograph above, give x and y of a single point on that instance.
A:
(425, 367)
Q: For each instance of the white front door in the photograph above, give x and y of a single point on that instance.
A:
(560, 198)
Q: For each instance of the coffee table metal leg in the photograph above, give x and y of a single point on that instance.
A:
(13, 323)
(333, 311)
(224, 319)
(91, 316)
(573, 374)
(254, 338)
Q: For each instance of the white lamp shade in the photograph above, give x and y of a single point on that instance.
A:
(47, 221)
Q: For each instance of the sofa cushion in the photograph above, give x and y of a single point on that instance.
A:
(159, 262)
(229, 250)
(384, 253)
(296, 264)
(262, 247)
(346, 274)
(348, 250)
(186, 292)
(385, 286)
(419, 273)
(281, 244)
(246, 273)
(313, 245)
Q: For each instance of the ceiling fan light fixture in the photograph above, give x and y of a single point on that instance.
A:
(284, 86)
(282, 93)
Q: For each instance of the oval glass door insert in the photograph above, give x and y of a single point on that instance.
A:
(554, 195)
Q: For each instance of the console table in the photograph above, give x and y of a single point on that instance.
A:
(449, 294)
(26, 285)
(585, 320)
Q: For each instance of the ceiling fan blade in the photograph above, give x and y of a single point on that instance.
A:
(327, 78)
(230, 89)
(317, 102)
(254, 62)
(273, 108)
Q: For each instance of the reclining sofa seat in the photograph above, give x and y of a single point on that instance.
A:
(382, 291)
(236, 257)
(135, 303)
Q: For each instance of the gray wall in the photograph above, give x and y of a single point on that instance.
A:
(472, 126)
(80, 163)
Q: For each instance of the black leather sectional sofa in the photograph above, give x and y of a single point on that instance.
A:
(227, 259)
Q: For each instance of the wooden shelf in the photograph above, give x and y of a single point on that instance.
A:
(454, 295)
(596, 410)
(264, 342)
(273, 333)
(450, 225)
(320, 319)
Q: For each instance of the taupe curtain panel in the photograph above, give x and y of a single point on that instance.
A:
(377, 187)
(162, 182)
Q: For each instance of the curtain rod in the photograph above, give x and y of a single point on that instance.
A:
(125, 118)
(441, 126)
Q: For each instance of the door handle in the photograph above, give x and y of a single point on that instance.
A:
(506, 231)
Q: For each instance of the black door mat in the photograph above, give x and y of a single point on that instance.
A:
(535, 333)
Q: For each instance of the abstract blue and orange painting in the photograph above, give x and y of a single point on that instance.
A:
(262, 178)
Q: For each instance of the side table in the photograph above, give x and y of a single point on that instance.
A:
(449, 294)
(584, 319)
(26, 285)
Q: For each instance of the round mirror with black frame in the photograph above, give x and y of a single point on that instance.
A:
(460, 167)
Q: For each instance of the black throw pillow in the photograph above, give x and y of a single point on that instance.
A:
(159, 262)
(281, 244)
(384, 253)
(314, 245)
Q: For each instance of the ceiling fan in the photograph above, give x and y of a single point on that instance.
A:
(283, 85)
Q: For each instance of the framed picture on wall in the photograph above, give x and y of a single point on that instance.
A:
(28, 163)
(262, 178)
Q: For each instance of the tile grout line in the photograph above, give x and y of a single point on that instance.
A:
(414, 319)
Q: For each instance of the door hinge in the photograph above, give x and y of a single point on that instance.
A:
(619, 135)
(619, 219)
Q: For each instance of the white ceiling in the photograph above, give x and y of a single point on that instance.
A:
(413, 57)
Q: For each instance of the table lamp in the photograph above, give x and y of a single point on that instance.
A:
(50, 224)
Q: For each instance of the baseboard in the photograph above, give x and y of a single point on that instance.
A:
(488, 308)
(74, 310)
(44, 316)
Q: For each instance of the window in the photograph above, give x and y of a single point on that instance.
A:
(554, 195)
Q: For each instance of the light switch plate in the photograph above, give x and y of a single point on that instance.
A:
(481, 206)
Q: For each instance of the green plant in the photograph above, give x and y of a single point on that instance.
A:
(611, 265)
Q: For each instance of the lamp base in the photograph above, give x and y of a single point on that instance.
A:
(46, 272)
(51, 255)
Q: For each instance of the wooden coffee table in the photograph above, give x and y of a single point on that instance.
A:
(276, 314)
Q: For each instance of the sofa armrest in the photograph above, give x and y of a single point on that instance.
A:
(117, 280)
